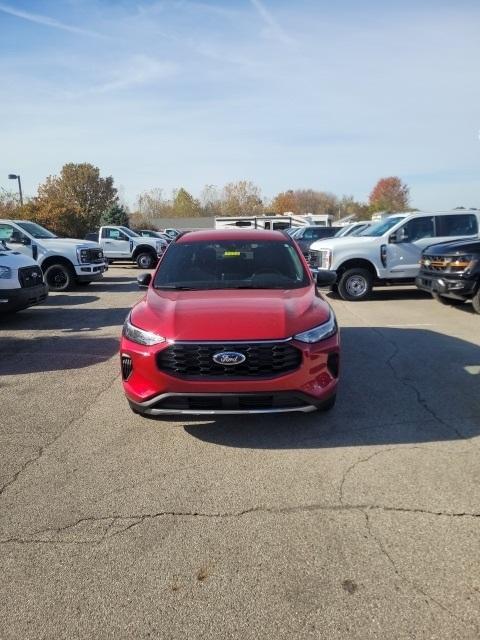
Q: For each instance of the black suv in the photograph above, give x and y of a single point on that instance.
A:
(451, 272)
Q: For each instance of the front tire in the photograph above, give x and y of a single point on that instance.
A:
(146, 260)
(329, 404)
(476, 301)
(355, 284)
(59, 277)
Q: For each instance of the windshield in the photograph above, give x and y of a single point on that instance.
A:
(231, 264)
(129, 232)
(381, 227)
(343, 231)
(35, 230)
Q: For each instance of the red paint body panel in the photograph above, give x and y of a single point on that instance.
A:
(231, 315)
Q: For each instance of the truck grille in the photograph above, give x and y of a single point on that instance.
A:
(438, 264)
(30, 276)
(262, 360)
(312, 258)
(95, 255)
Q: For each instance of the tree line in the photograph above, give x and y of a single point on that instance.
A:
(79, 199)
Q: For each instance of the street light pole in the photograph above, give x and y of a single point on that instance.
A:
(14, 176)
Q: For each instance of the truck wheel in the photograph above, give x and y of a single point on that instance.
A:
(476, 301)
(450, 302)
(355, 284)
(59, 277)
(146, 260)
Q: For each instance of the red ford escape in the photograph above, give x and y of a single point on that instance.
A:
(232, 322)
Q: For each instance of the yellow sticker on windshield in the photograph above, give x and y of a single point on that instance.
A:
(230, 254)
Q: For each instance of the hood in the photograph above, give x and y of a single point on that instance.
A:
(454, 248)
(152, 242)
(348, 241)
(14, 259)
(263, 314)
(53, 243)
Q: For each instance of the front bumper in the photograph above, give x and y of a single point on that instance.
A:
(90, 272)
(450, 286)
(17, 299)
(154, 392)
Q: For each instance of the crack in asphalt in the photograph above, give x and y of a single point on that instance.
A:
(43, 449)
(118, 524)
(409, 582)
(408, 384)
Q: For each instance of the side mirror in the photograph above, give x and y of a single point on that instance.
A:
(326, 278)
(143, 280)
(25, 241)
(398, 236)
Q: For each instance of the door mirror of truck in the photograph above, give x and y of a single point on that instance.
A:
(25, 240)
(326, 278)
(398, 236)
(144, 280)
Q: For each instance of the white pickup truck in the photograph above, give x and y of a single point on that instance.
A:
(21, 280)
(389, 251)
(64, 262)
(121, 243)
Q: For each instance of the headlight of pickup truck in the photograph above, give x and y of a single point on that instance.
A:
(133, 333)
(83, 255)
(159, 246)
(321, 332)
(325, 261)
(5, 272)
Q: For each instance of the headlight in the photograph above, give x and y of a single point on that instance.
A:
(140, 336)
(325, 261)
(322, 332)
(5, 273)
(159, 244)
(83, 256)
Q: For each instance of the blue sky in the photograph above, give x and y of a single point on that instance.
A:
(327, 95)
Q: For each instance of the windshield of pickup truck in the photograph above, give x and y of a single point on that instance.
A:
(381, 227)
(129, 232)
(36, 231)
(227, 264)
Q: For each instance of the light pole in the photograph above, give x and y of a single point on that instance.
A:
(14, 176)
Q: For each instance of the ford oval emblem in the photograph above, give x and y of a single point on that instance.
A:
(228, 358)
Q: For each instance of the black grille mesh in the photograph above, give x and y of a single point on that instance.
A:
(262, 360)
(30, 276)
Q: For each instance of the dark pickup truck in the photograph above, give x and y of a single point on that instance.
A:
(451, 272)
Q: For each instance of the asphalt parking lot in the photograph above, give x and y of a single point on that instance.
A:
(361, 523)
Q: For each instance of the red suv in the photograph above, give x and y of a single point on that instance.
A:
(232, 322)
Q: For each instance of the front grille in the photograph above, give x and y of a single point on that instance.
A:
(439, 264)
(241, 402)
(434, 263)
(261, 360)
(312, 258)
(30, 276)
(95, 255)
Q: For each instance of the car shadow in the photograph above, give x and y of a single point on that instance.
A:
(19, 356)
(398, 386)
(390, 293)
(67, 300)
(64, 319)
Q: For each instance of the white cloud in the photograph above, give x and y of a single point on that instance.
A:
(273, 26)
(139, 70)
(47, 21)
